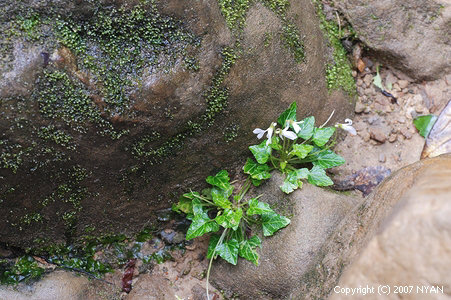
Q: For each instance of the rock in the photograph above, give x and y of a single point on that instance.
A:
(365, 135)
(292, 253)
(151, 287)
(56, 285)
(406, 133)
(359, 107)
(403, 84)
(368, 79)
(382, 158)
(378, 134)
(101, 127)
(172, 237)
(439, 139)
(392, 137)
(359, 82)
(392, 30)
(411, 241)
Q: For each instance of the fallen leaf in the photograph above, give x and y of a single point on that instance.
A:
(360, 65)
(127, 278)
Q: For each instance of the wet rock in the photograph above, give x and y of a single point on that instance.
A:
(120, 134)
(315, 213)
(409, 242)
(378, 134)
(172, 237)
(392, 30)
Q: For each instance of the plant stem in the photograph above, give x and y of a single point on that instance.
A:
(212, 258)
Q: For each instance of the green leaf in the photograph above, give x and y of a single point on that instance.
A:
(221, 180)
(214, 239)
(206, 193)
(301, 151)
(257, 171)
(293, 180)
(328, 159)
(288, 186)
(261, 152)
(377, 80)
(322, 135)
(191, 195)
(424, 124)
(237, 235)
(184, 205)
(255, 241)
(275, 143)
(256, 182)
(221, 197)
(229, 251)
(318, 177)
(273, 222)
(257, 208)
(201, 224)
(246, 251)
(289, 114)
(198, 208)
(230, 218)
(307, 126)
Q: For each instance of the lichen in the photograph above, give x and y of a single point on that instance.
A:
(339, 72)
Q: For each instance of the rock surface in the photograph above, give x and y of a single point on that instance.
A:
(400, 230)
(109, 116)
(412, 36)
(293, 252)
(412, 245)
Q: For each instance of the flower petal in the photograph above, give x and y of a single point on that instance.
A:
(350, 129)
(289, 134)
(259, 132)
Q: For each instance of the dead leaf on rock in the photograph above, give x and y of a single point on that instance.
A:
(127, 278)
(439, 139)
(364, 180)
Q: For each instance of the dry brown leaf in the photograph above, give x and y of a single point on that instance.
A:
(439, 139)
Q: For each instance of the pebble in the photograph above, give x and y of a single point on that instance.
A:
(365, 135)
(378, 135)
(374, 120)
(382, 158)
(396, 87)
(406, 133)
(392, 138)
(354, 73)
(368, 79)
(403, 84)
(359, 107)
(359, 82)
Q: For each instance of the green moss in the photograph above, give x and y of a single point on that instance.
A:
(231, 132)
(12, 155)
(117, 45)
(30, 25)
(25, 268)
(293, 42)
(234, 12)
(59, 137)
(338, 73)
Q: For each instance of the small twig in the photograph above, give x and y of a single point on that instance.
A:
(339, 24)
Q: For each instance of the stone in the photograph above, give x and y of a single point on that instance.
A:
(403, 84)
(411, 242)
(394, 36)
(151, 287)
(392, 137)
(292, 253)
(124, 128)
(359, 107)
(378, 134)
(382, 158)
(368, 79)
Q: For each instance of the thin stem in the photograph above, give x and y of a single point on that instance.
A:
(212, 258)
(328, 119)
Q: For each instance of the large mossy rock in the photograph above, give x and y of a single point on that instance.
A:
(111, 109)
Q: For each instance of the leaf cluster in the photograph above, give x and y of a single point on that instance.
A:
(305, 157)
(228, 215)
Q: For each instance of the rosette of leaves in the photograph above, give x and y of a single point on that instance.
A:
(228, 215)
(304, 158)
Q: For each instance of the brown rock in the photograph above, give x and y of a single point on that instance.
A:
(392, 138)
(359, 107)
(406, 133)
(378, 134)
(403, 84)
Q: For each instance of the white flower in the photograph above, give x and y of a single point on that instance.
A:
(260, 132)
(295, 125)
(347, 126)
(286, 133)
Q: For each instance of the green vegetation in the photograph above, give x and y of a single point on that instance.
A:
(12, 154)
(58, 136)
(25, 268)
(338, 73)
(234, 12)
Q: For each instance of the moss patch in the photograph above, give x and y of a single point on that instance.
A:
(338, 73)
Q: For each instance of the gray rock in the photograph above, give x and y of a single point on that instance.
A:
(412, 36)
(293, 252)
